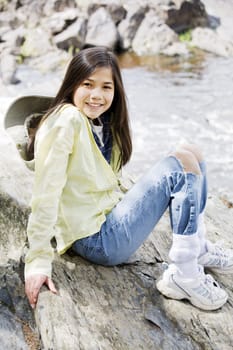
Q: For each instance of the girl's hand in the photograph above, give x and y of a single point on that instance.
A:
(33, 285)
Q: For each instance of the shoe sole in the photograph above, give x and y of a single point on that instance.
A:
(179, 295)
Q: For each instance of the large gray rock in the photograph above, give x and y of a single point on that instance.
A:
(17, 325)
(209, 40)
(120, 308)
(16, 321)
(152, 36)
(15, 192)
(73, 36)
(107, 308)
(101, 30)
(59, 21)
(187, 15)
(219, 40)
(117, 12)
(129, 26)
(37, 42)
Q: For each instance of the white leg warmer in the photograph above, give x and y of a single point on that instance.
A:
(184, 253)
(202, 233)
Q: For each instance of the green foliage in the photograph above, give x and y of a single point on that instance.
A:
(186, 36)
(19, 58)
(73, 50)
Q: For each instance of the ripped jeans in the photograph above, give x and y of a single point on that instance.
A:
(131, 221)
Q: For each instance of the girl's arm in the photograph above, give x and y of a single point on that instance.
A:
(53, 149)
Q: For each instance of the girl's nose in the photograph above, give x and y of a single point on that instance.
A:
(96, 93)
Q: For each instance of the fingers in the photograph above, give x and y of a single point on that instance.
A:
(51, 285)
(33, 285)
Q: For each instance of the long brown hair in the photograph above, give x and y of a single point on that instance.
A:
(80, 68)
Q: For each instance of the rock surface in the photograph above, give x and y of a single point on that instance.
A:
(107, 308)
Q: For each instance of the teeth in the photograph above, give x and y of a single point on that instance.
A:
(94, 104)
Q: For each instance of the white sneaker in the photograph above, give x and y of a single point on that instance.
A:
(217, 258)
(203, 291)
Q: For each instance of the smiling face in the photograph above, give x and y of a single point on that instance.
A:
(95, 94)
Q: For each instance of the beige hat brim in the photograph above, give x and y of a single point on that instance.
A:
(24, 106)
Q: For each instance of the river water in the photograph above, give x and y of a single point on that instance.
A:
(180, 101)
(170, 101)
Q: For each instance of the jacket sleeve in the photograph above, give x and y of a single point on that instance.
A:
(53, 149)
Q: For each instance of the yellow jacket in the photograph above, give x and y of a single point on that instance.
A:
(74, 187)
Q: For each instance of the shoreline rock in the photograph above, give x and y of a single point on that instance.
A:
(30, 30)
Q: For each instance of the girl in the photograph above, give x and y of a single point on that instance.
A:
(78, 198)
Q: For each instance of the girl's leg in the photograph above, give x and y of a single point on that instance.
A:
(195, 151)
(133, 219)
(185, 279)
(185, 247)
(213, 256)
(135, 216)
(201, 222)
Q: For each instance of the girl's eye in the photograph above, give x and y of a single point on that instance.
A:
(108, 87)
(86, 83)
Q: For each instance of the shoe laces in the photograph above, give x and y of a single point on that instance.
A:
(208, 286)
(219, 252)
(217, 248)
(210, 282)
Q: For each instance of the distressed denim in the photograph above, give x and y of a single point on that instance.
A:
(166, 185)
